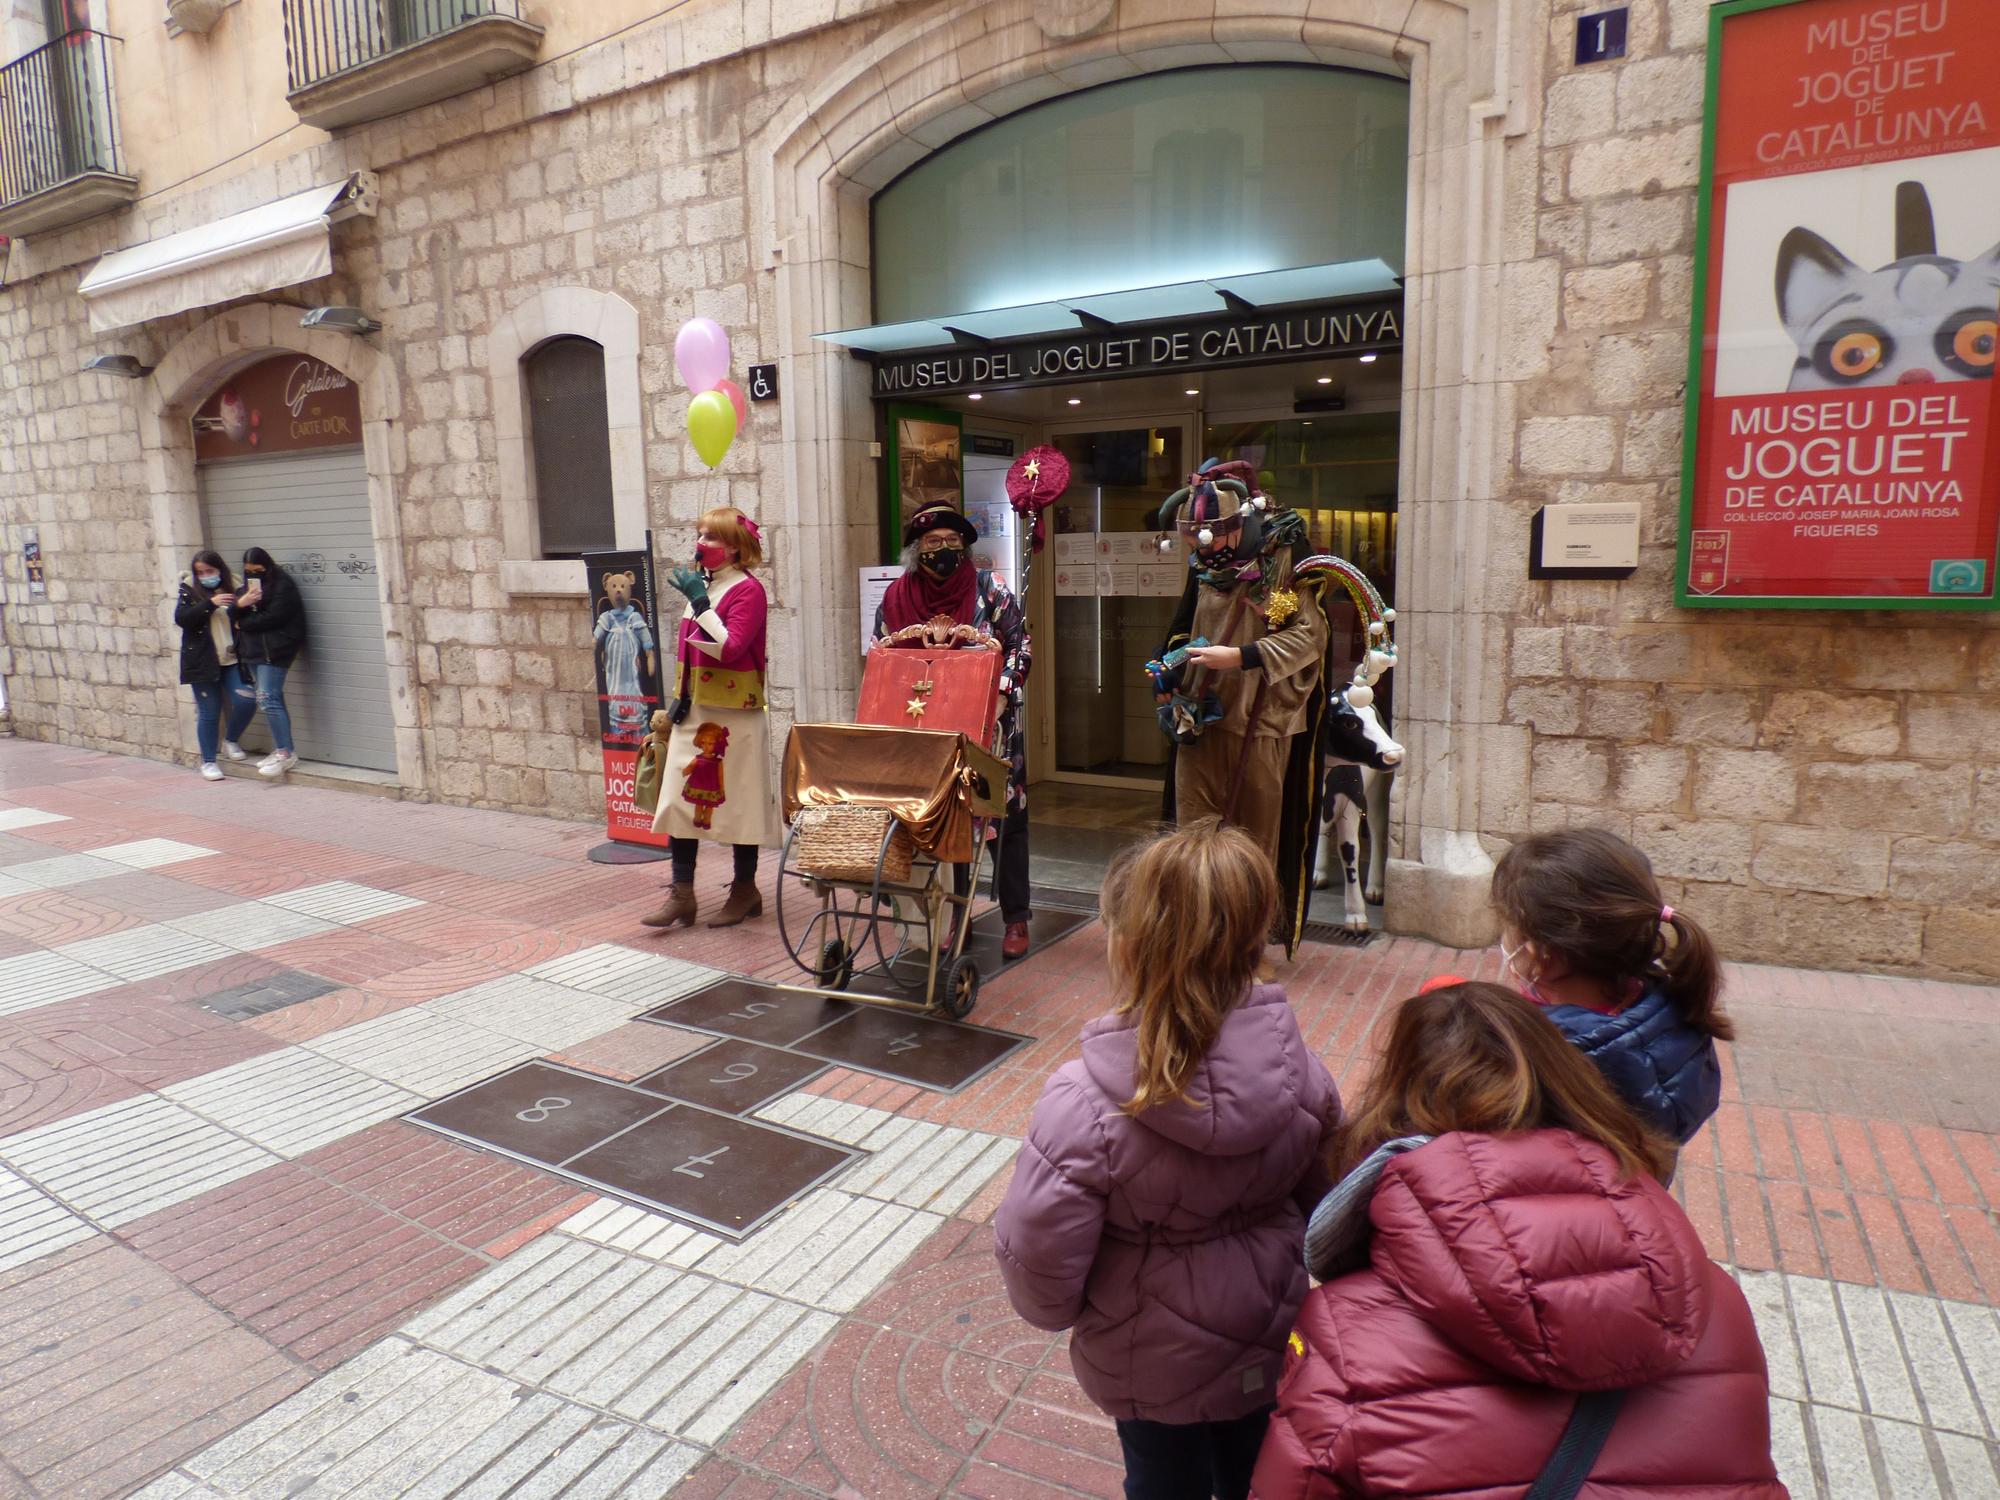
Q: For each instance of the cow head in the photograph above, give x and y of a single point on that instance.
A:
(1353, 733)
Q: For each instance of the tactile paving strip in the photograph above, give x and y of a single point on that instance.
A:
(691, 1162)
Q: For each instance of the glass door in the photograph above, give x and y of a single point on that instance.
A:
(1102, 602)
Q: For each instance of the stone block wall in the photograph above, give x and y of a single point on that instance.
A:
(1818, 787)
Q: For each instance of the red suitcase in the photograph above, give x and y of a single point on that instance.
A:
(915, 688)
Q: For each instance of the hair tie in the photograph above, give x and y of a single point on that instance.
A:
(1666, 914)
(751, 526)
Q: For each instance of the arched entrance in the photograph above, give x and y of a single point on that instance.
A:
(195, 371)
(933, 79)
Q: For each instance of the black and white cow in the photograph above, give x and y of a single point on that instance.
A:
(1360, 759)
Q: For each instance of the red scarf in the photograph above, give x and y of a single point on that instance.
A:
(918, 597)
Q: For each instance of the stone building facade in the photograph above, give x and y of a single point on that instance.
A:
(1818, 787)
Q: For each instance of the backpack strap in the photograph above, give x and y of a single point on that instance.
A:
(1582, 1439)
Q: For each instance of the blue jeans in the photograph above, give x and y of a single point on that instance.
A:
(208, 698)
(1191, 1460)
(271, 702)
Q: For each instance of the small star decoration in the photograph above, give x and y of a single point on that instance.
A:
(1034, 468)
(916, 707)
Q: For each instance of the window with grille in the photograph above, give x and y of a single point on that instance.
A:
(569, 433)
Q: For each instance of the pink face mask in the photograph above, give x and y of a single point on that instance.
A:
(710, 555)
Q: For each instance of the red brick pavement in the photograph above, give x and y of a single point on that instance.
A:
(1856, 1142)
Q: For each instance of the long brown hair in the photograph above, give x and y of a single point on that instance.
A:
(1591, 897)
(1483, 1058)
(1186, 917)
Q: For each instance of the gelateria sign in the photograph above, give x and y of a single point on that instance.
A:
(1252, 337)
(285, 404)
(1841, 450)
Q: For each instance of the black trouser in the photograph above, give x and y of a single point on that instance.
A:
(1192, 1460)
(1010, 870)
(683, 852)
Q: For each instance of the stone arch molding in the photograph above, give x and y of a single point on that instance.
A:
(1472, 67)
(192, 368)
(612, 323)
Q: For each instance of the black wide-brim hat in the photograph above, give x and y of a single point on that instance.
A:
(933, 517)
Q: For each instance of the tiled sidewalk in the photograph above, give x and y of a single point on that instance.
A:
(227, 1269)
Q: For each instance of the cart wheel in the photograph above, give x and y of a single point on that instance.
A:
(958, 987)
(836, 966)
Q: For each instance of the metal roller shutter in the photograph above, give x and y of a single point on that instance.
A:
(310, 512)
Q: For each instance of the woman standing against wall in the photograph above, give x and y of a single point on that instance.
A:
(271, 628)
(208, 659)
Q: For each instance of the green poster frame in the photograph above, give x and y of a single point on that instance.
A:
(1718, 16)
(893, 509)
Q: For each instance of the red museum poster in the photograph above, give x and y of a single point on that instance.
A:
(1840, 442)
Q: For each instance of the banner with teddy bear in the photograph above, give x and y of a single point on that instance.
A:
(1840, 443)
(626, 644)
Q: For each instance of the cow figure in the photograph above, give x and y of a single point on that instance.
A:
(1360, 759)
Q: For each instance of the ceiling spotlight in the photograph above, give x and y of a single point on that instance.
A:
(1324, 380)
(1076, 401)
(340, 320)
(1368, 359)
(124, 366)
(1191, 391)
(975, 396)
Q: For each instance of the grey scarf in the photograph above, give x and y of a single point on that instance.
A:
(1337, 1234)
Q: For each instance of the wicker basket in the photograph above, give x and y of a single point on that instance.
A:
(841, 843)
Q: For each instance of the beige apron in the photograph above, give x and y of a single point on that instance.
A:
(717, 780)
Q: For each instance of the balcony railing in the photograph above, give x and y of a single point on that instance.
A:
(352, 60)
(59, 156)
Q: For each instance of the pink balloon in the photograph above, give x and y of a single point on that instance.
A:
(738, 400)
(701, 354)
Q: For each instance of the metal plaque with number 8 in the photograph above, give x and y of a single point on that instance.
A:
(541, 1109)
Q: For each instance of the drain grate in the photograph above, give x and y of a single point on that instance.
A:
(262, 996)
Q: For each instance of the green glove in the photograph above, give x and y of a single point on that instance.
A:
(690, 583)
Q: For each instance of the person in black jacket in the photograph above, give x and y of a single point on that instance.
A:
(208, 658)
(271, 628)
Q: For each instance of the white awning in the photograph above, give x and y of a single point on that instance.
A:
(258, 250)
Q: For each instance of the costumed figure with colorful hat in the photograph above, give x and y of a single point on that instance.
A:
(716, 784)
(942, 599)
(1239, 680)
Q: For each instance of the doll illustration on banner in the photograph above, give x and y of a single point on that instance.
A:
(623, 637)
(701, 781)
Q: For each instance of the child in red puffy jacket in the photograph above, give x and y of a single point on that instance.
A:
(1158, 1204)
(1498, 1248)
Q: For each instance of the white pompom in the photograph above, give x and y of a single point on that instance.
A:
(1165, 544)
(1204, 536)
(1388, 614)
(1376, 627)
(1258, 502)
(1360, 695)
(1379, 662)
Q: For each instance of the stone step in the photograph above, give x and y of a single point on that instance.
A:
(323, 774)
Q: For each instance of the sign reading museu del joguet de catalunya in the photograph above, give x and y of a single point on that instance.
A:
(1840, 443)
(1255, 336)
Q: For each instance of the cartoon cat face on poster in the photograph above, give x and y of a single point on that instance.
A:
(1921, 319)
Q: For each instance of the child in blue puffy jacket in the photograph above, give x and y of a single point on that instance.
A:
(1631, 982)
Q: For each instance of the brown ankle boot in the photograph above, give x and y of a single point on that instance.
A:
(744, 903)
(678, 912)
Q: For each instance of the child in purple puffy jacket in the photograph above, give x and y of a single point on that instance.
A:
(1158, 1204)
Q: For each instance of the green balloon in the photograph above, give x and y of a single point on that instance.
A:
(712, 425)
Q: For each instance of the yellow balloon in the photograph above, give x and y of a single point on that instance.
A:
(712, 425)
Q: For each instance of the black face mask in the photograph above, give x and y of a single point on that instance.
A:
(941, 563)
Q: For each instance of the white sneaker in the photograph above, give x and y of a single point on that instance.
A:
(269, 760)
(276, 765)
(210, 771)
(234, 751)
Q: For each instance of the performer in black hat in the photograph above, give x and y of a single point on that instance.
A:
(940, 580)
